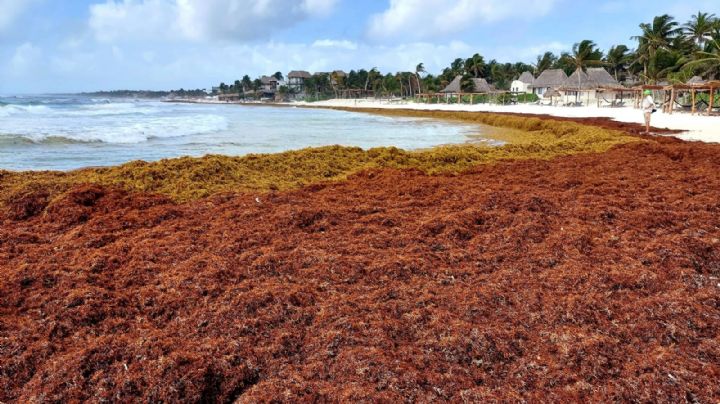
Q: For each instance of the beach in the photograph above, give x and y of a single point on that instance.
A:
(698, 127)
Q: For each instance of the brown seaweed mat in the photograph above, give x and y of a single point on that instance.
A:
(585, 277)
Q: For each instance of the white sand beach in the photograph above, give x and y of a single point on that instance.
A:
(695, 127)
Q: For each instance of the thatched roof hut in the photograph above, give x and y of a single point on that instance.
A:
(454, 86)
(552, 78)
(592, 79)
(480, 85)
(299, 74)
(268, 80)
(527, 78)
(601, 77)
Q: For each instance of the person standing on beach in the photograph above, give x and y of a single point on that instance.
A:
(648, 106)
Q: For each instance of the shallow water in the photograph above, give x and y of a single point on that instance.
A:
(71, 131)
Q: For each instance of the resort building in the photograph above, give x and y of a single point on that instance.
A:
(337, 76)
(591, 87)
(523, 83)
(270, 85)
(480, 85)
(296, 81)
(548, 80)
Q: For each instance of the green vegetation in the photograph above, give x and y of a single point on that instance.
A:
(186, 178)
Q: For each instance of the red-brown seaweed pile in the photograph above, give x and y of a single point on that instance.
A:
(584, 277)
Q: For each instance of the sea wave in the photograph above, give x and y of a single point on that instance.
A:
(78, 110)
(13, 109)
(14, 140)
(130, 132)
(125, 108)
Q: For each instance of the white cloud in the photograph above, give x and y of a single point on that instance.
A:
(427, 19)
(533, 51)
(131, 19)
(25, 58)
(10, 10)
(204, 65)
(200, 19)
(332, 43)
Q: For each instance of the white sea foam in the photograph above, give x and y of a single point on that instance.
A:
(124, 132)
(66, 132)
(11, 109)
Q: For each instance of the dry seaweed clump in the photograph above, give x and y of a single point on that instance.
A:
(187, 178)
(583, 278)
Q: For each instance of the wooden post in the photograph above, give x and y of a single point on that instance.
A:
(673, 95)
(712, 99)
(692, 111)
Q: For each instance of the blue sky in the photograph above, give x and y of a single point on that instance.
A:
(85, 45)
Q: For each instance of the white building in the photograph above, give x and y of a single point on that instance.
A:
(523, 83)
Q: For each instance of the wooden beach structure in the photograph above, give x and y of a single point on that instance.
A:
(481, 89)
(693, 90)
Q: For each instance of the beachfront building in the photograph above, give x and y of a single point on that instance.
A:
(269, 86)
(523, 83)
(296, 81)
(551, 79)
(480, 85)
(337, 78)
(594, 86)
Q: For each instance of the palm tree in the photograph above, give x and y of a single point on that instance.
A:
(256, 86)
(457, 67)
(656, 36)
(583, 54)
(544, 62)
(420, 68)
(617, 59)
(467, 84)
(475, 65)
(707, 61)
(701, 27)
(372, 76)
(337, 80)
(246, 83)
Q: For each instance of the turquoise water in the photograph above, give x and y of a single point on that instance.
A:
(69, 132)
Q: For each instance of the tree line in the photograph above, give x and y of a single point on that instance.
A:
(665, 50)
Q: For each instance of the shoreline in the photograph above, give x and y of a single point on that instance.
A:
(681, 125)
(686, 127)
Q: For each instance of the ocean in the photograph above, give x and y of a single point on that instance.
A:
(65, 132)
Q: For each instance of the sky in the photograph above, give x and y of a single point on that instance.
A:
(55, 46)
